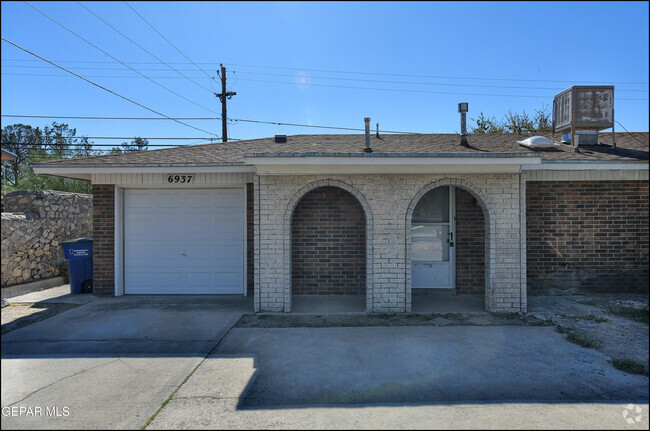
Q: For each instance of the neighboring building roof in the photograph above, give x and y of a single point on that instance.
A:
(629, 147)
(8, 155)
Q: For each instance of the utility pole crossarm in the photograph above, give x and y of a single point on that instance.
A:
(223, 96)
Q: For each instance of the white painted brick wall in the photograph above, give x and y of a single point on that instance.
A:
(389, 201)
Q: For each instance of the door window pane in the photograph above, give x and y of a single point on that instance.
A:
(432, 246)
(433, 207)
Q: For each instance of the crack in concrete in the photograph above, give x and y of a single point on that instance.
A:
(104, 340)
(171, 396)
(60, 380)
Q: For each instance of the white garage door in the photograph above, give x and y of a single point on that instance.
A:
(184, 241)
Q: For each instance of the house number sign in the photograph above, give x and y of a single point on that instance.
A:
(180, 179)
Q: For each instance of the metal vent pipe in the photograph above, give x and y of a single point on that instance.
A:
(367, 149)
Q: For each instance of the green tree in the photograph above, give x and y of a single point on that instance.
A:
(486, 125)
(541, 122)
(31, 145)
(137, 144)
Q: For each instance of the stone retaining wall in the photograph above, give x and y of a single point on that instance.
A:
(32, 228)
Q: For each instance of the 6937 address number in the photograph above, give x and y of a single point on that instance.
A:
(180, 179)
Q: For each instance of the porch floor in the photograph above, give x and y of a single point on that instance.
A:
(447, 301)
(328, 304)
(435, 301)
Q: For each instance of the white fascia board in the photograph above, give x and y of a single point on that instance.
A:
(387, 165)
(85, 172)
(585, 165)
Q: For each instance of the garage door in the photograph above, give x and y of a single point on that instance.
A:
(184, 241)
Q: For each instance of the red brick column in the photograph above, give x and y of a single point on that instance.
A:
(103, 239)
(470, 244)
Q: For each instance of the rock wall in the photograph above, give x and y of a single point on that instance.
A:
(34, 224)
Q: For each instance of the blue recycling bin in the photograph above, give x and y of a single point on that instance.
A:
(79, 254)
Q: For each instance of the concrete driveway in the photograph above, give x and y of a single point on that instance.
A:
(115, 362)
(500, 377)
(110, 363)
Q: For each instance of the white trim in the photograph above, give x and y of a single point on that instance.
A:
(452, 229)
(583, 166)
(388, 165)
(118, 242)
(587, 175)
(244, 260)
(65, 170)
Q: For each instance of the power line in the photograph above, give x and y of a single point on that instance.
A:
(337, 86)
(116, 59)
(427, 76)
(417, 83)
(160, 34)
(644, 143)
(106, 89)
(244, 120)
(142, 48)
(367, 73)
(324, 77)
(409, 91)
(130, 137)
(74, 144)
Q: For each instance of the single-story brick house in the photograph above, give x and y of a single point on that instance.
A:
(319, 214)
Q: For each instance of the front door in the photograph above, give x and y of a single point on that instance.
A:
(432, 240)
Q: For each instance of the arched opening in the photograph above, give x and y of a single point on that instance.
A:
(328, 252)
(447, 250)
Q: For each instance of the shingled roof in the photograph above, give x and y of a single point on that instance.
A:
(629, 147)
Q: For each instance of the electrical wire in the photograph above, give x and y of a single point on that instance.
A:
(130, 137)
(409, 91)
(119, 61)
(244, 120)
(318, 77)
(106, 89)
(167, 40)
(644, 143)
(426, 76)
(417, 83)
(366, 73)
(142, 48)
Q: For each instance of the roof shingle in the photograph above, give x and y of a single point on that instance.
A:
(629, 147)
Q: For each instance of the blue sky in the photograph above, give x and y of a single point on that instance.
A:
(405, 65)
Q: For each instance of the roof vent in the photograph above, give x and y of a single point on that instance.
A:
(367, 149)
(537, 142)
(280, 139)
(463, 107)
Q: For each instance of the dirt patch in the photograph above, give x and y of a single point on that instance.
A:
(358, 320)
(611, 321)
(18, 315)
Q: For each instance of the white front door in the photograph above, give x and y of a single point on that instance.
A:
(432, 240)
(184, 241)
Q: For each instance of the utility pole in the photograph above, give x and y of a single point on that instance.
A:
(223, 96)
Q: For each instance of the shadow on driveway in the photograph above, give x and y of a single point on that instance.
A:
(397, 365)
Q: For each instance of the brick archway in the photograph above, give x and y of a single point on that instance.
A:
(488, 216)
(288, 239)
